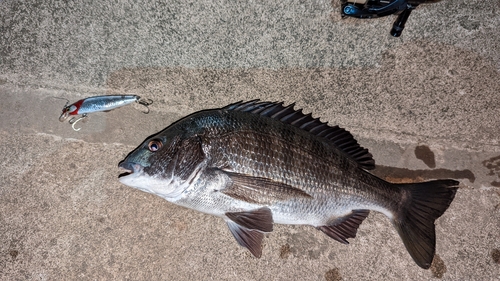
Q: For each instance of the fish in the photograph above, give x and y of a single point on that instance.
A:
(257, 163)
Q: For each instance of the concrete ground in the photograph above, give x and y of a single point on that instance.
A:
(425, 104)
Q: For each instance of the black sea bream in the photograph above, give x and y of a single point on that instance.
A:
(259, 163)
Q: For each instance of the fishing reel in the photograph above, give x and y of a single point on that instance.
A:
(365, 9)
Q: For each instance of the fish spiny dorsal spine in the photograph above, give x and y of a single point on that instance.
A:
(338, 137)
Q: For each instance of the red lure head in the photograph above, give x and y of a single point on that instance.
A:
(70, 110)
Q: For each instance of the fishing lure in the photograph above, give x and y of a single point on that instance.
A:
(97, 104)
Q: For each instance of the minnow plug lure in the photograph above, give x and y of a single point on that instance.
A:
(97, 104)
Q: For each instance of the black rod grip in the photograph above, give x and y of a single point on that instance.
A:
(399, 24)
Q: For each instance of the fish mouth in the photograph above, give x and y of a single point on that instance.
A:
(129, 168)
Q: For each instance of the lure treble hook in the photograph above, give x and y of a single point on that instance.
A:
(65, 111)
(146, 103)
(72, 121)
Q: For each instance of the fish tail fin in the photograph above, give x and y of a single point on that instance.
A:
(422, 203)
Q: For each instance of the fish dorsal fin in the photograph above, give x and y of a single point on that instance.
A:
(339, 137)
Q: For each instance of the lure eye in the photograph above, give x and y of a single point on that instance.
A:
(71, 108)
(154, 145)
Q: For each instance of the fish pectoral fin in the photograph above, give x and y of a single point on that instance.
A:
(260, 190)
(248, 238)
(259, 219)
(345, 227)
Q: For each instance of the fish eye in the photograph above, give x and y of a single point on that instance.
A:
(154, 145)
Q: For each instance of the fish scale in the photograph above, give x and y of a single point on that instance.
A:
(259, 163)
(308, 166)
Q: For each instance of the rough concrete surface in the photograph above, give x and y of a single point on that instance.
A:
(425, 104)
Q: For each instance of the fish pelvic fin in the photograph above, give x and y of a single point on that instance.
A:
(248, 228)
(259, 219)
(345, 227)
(248, 238)
(421, 205)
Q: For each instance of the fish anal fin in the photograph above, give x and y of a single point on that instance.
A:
(259, 219)
(260, 190)
(248, 238)
(345, 227)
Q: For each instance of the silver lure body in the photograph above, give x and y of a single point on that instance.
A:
(105, 103)
(98, 104)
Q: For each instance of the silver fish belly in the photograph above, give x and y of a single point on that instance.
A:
(259, 163)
